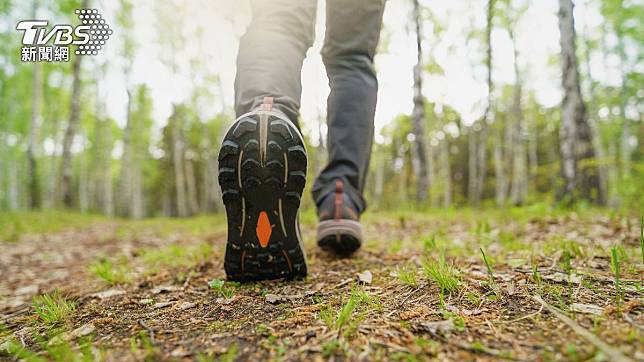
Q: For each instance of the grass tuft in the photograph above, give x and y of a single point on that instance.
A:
(443, 274)
(407, 275)
(345, 319)
(109, 273)
(615, 267)
(223, 288)
(175, 256)
(52, 309)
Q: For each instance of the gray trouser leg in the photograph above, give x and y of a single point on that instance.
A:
(271, 53)
(352, 33)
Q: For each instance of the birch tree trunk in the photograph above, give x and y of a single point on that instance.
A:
(580, 177)
(600, 151)
(66, 191)
(125, 201)
(191, 186)
(519, 187)
(472, 177)
(418, 117)
(447, 173)
(482, 145)
(33, 182)
(83, 179)
(177, 163)
(500, 176)
(625, 137)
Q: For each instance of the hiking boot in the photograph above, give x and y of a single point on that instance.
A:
(339, 230)
(262, 171)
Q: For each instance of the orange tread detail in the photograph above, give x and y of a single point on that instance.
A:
(264, 229)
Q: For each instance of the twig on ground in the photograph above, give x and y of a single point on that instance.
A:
(612, 353)
(525, 316)
(20, 310)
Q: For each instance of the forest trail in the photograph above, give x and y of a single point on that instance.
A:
(419, 288)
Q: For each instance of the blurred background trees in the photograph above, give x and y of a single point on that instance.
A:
(60, 146)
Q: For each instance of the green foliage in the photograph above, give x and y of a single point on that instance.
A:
(407, 275)
(175, 256)
(445, 275)
(14, 225)
(615, 268)
(52, 309)
(348, 317)
(230, 355)
(642, 238)
(223, 288)
(108, 272)
(488, 266)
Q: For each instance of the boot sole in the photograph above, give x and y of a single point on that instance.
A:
(262, 172)
(342, 237)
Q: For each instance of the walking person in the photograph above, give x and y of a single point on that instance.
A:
(262, 161)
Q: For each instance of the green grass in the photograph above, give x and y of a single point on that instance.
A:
(642, 237)
(81, 351)
(109, 273)
(615, 268)
(52, 309)
(348, 317)
(175, 256)
(443, 274)
(488, 266)
(14, 225)
(223, 288)
(407, 275)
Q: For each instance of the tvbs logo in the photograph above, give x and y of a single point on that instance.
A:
(40, 44)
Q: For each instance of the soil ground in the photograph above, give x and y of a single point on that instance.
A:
(419, 289)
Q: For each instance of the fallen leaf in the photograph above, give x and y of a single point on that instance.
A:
(146, 301)
(365, 277)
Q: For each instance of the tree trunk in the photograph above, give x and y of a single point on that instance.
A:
(472, 177)
(501, 179)
(126, 197)
(580, 178)
(191, 186)
(600, 151)
(83, 180)
(177, 163)
(447, 173)
(107, 185)
(74, 118)
(533, 154)
(625, 137)
(33, 182)
(482, 146)
(519, 187)
(418, 117)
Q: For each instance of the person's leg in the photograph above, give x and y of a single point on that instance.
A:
(352, 33)
(271, 53)
(262, 159)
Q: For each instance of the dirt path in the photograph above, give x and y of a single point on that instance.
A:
(166, 299)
